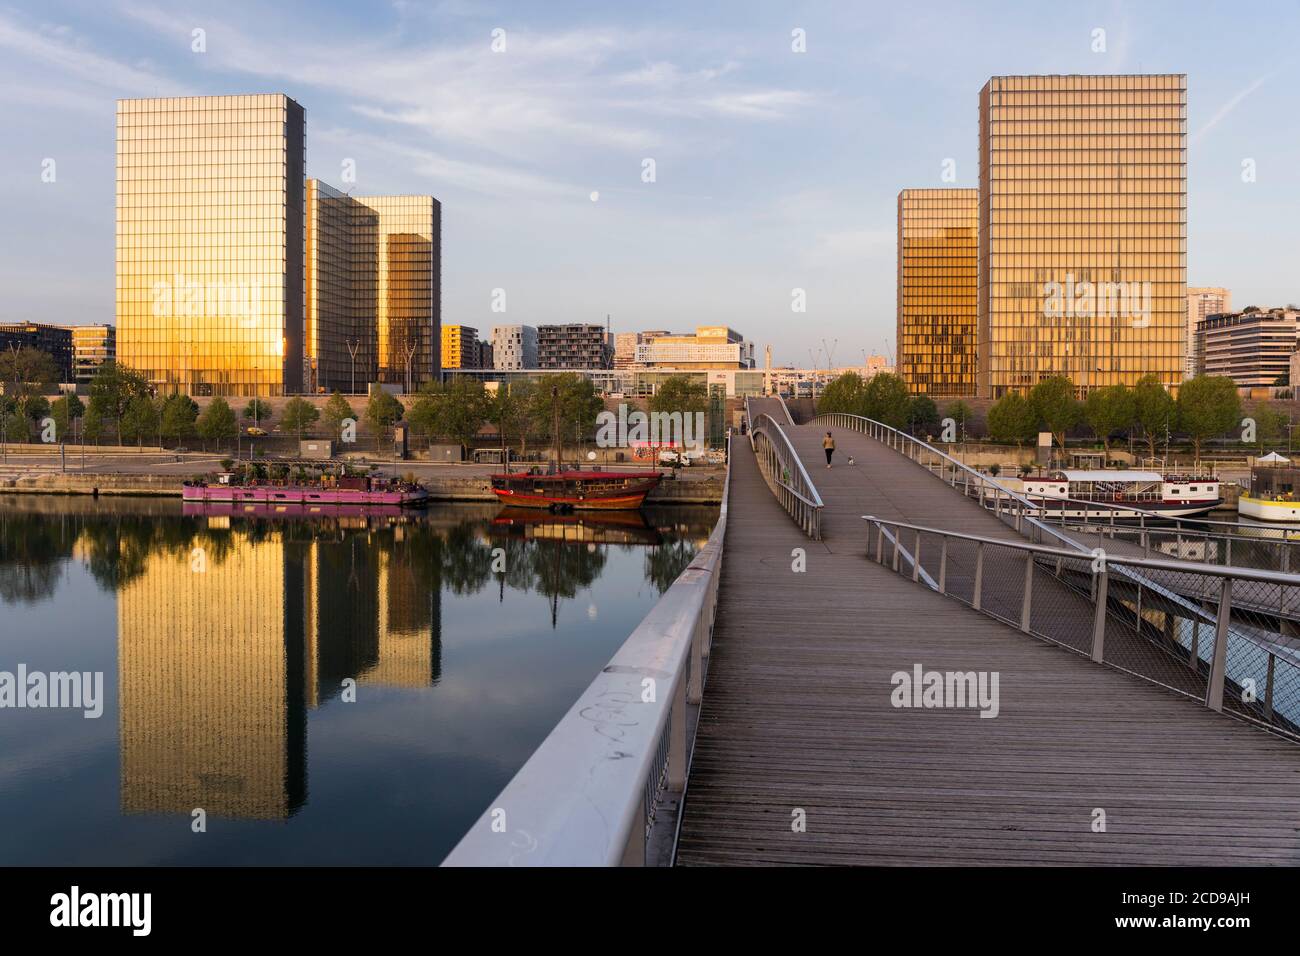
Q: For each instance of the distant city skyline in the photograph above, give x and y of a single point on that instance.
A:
(773, 170)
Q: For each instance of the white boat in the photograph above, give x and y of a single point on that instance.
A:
(1125, 494)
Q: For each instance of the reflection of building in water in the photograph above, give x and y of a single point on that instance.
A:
(217, 668)
(210, 670)
(406, 628)
(370, 616)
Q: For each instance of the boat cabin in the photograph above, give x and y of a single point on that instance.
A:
(1130, 487)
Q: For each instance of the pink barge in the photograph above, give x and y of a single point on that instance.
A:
(351, 490)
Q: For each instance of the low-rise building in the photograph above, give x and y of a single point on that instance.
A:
(92, 346)
(514, 347)
(1253, 348)
(710, 346)
(573, 346)
(460, 347)
(56, 340)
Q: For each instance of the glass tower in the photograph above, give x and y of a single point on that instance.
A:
(937, 268)
(1082, 230)
(373, 276)
(210, 243)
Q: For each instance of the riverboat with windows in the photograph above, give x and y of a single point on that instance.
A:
(1123, 495)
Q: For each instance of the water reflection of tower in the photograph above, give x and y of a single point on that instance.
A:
(370, 615)
(212, 684)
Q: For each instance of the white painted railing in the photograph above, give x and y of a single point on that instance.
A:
(598, 790)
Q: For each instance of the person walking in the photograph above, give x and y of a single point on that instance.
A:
(828, 444)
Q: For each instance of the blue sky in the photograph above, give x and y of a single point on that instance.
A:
(774, 169)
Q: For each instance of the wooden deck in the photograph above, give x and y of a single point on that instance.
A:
(797, 713)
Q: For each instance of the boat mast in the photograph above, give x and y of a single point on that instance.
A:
(555, 410)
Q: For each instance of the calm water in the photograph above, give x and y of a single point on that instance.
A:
(230, 647)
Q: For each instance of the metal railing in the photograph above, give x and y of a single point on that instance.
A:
(784, 472)
(605, 786)
(1235, 662)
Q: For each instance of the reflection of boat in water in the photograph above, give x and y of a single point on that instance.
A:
(1103, 494)
(263, 509)
(613, 527)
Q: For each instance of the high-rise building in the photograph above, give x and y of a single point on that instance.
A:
(92, 346)
(514, 347)
(54, 340)
(1201, 304)
(1082, 230)
(210, 243)
(1253, 348)
(573, 346)
(937, 286)
(373, 304)
(459, 347)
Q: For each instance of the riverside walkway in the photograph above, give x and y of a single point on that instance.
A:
(801, 758)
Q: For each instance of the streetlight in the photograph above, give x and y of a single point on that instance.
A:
(353, 348)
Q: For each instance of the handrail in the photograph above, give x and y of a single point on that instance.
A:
(592, 793)
(1239, 652)
(1156, 564)
(1023, 519)
(784, 472)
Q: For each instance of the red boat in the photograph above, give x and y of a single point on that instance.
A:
(573, 490)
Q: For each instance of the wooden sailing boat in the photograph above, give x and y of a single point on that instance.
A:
(560, 490)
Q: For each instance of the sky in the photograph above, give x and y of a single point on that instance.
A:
(774, 169)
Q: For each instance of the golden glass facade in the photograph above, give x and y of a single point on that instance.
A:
(210, 243)
(937, 284)
(373, 281)
(1082, 230)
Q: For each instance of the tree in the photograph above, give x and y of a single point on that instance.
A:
(1270, 424)
(35, 407)
(508, 410)
(13, 425)
(112, 389)
(680, 393)
(1012, 418)
(1153, 409)
(298, 415)
(65, 410)
(382, 411)
(922, 415)
(1109, 410)
(573, 396)
(336, 411)
(217, 423)
(179, 413)
(456, 409)
(1055, 406)
(886, 399)
(140, 420)
(1208, 406)
(845, 393)
(27, 371)
(960, 413)
(93, 427)
(258, 410)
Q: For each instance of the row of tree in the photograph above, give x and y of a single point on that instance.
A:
(1206, 407)
(122, 407)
